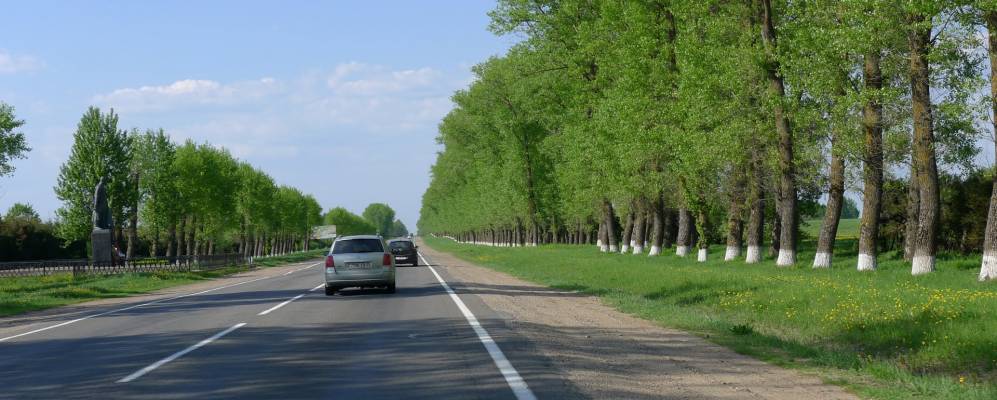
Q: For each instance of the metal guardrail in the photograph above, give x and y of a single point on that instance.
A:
(154, 264)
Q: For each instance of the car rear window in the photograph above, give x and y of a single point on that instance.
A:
(402, 245)
(358, 246)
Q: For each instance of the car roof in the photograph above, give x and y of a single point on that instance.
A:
(400, 240)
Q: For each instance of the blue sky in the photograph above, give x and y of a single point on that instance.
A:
(340, 99)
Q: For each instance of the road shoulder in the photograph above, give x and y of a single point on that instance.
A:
(604, 353)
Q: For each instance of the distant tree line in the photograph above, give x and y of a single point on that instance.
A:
(378, 218)
(643, 125)
(171, 199)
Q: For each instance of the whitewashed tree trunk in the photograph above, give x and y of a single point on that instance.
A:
(872, 191)
(684, 239)
(732, 253)
(787, 257)
(753, 254)
(701, 255)
(822, 260)
(922, 264)
(866, 262)
(988, 271)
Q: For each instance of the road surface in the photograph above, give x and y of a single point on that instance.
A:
(279, 336)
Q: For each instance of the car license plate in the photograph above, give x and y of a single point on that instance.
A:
(359, 265)
(401, 258)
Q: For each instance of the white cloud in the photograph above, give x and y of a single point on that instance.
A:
(270, 118)
(185, 93)
(12, 64)
(373, 80)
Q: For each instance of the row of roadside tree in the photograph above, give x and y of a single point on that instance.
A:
(170, 199)
(699, 122)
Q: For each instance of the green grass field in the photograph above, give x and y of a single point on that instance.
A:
(884, 334)
(847, 228)
(23, 294)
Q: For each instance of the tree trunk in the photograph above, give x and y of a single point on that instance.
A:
(520, 240)
(242, 235)
(670, 228)
(192, 227)
(657, 225)
(787, 180)
(171, 241)
(988, 269)
(628, 230)
(913, 205)
(182, 237)
(756, 217)
(611, 225)
(133, 220)
(701, 227)
(640, 225)
(832, 213)
(735, 221)
(924, 147)
(132, 233)
(683, 239)
(872, 192)
(118, 236)
(776, 233)
(154, 244)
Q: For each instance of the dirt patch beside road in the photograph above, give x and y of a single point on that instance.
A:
(608, 354)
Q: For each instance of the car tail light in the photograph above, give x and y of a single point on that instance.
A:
(329, 262)
(386, 261)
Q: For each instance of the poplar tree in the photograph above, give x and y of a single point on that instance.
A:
(99, 149)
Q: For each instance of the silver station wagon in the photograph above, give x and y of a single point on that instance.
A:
(359, 261)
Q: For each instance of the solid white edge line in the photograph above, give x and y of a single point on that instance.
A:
(317, 287)
(281, 304)
(516, 382)
(141, 305)
(174, 356)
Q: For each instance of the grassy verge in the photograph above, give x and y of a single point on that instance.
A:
(23, 294)
(884, 334)
(290, 258)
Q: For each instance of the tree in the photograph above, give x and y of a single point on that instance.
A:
(99, 150)
(988, 268)
(615, 116)
(381, 216)
(348, 223)
(398, 229)
(787, 179)
(159, 206)
(12, 143)
(21, 211)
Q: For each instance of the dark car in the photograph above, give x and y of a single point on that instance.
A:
(405, 251)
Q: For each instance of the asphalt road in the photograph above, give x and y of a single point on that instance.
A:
(281, 337)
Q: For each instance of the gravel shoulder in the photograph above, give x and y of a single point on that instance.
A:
(608, 354)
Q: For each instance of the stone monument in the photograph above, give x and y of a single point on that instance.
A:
(100, 237)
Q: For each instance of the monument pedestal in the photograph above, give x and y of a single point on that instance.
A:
(100, 240)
